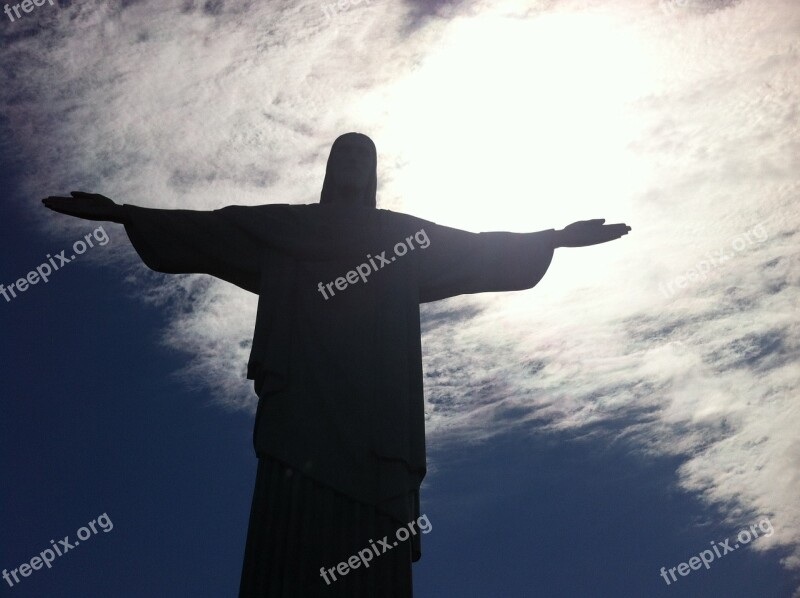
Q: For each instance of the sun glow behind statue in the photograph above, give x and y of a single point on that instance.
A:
(532, 134)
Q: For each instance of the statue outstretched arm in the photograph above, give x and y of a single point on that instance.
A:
(459, 262)
(89, 206)
(178, 241)
(589, 232)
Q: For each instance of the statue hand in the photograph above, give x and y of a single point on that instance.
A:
(89, 206)
(589, 232)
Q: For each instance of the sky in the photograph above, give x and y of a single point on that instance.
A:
(637, 407)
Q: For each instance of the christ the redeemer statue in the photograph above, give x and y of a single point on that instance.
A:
(336, 358)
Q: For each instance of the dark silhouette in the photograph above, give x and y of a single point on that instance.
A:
(336, 358)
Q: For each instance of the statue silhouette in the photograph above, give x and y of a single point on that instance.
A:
(336, 358)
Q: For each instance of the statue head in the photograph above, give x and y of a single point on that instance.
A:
(351, 174)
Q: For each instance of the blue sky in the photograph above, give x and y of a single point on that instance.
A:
(636, 406)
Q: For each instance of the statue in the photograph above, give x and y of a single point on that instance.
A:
(336, 358)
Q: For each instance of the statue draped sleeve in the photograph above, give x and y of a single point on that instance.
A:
(193, 241)
(459, 262)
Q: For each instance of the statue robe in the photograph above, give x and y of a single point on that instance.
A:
(339, 380)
